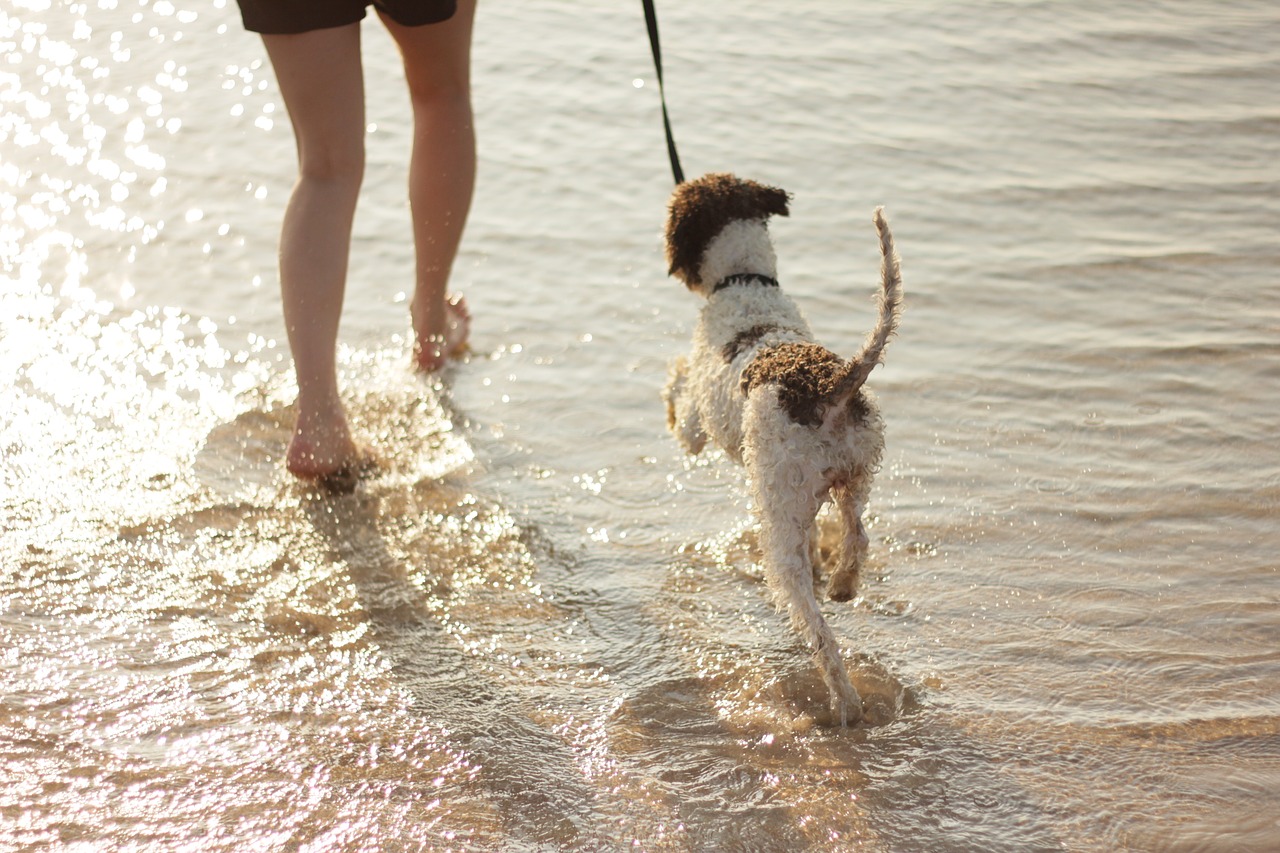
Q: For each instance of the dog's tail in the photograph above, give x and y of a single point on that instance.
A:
(889, 304)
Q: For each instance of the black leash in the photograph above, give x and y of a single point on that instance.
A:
(651, 18)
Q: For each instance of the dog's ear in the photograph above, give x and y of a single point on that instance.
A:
(700, 209)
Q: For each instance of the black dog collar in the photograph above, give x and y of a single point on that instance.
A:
(744, 278)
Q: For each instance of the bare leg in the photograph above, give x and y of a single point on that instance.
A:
(320, 77)
(437, 65)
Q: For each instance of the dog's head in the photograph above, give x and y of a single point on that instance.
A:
(701, 209)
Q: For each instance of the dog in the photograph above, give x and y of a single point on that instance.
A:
(796, 415)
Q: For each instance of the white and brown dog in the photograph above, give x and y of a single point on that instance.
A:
(795, 414)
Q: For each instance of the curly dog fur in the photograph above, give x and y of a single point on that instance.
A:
(794, 413)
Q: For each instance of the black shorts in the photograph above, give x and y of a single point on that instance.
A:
(300, 16)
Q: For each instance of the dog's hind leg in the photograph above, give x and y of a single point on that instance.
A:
(815, 550)
(853, 544)
(784, 539)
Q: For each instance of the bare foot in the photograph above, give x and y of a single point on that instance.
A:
(431, 351)
(327, 457)
(344, 479)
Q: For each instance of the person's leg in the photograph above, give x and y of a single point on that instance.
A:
(437, 63)
(320, 78)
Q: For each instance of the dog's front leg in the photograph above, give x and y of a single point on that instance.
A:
(682, 415)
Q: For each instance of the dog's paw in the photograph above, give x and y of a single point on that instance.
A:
(842, 586)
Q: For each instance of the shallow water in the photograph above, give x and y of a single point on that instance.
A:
(545, 628)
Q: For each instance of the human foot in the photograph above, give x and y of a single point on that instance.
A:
(329, 459)
(432, 349)
(343, 480)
